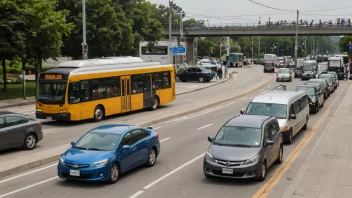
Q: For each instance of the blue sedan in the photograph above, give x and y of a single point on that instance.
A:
(105, 152)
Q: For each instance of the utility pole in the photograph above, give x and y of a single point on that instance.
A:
(228, 46)
(84, 44)
(170, 39)
(305, 46)
(252, 49)
(220, 48)
(259, 47)
(296, 39)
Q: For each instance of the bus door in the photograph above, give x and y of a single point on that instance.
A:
(147, 94)
(125, 94)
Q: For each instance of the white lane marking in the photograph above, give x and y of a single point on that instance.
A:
(18, 176)
(27, 187)
(163, 140)
(208, 125)
(158, 127)
(51, 130)
(136, 194)
(241, 83)
(174, 171)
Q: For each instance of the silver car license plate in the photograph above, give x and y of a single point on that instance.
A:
(75, 173)
(227, 171)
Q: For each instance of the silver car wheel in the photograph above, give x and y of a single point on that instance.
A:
(114, 173)
(263, 171)
(31, 141)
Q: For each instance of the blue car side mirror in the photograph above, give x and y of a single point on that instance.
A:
(125, 147)
(73, 143)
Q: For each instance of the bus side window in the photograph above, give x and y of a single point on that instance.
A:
(74, 93)
(85, 91)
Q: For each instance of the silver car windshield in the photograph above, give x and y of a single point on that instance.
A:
(284, 71)
(238, 136)
(267, 109)
(309, 90)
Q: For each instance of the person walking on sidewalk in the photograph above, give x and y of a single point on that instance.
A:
(219, 72)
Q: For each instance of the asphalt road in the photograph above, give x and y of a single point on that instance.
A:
(60, 133)
(178, 171)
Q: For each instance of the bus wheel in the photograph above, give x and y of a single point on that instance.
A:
(155, 103)
(98, 114)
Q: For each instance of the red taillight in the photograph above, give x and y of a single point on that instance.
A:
(157, 135)
(39, 124)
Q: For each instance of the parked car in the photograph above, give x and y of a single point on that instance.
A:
(200, 74)
(105, 152)
(330, 80)
(290, 108)
(316, 98)
(284, 74)
(19, 131)
(335, 77)
(245, 147)
(320, 92)
(324, 84)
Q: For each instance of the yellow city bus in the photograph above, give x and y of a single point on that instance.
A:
(95, 88)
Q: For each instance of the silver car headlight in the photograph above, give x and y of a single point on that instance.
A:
(100, 163)
(252, 161)
(209, 157)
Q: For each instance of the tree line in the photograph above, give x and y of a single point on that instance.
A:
(36, 30)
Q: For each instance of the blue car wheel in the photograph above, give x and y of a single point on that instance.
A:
(114, 174)
(151, 158)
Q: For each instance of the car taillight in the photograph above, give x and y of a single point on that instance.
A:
(39, 124)
(157, 135)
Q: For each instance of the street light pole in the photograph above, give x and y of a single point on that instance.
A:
(252, 49)
(259, 47)
(296, 39)
(170, 39)
(84, 44)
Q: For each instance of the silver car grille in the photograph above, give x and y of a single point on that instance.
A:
(229, 163)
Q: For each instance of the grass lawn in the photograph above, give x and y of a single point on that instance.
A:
(15, 91)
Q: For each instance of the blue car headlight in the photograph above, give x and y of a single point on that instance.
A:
(253, 160)
(209, 157)
(61, 161)
(100, 163)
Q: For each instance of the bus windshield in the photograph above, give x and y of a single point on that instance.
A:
(51, 92)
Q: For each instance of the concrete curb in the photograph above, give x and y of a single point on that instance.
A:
(230, 77)
(56, 157)
(227, 79)
(18, 105)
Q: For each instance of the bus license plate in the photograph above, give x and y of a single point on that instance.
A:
(75, 173)
(227, 171)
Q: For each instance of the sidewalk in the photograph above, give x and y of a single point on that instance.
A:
(181, 88)
(324, 168)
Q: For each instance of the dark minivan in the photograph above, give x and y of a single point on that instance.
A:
(245, 147)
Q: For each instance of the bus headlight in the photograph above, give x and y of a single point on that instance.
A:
(39, 110)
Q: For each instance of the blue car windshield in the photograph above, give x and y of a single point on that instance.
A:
(98, 141)
(238, 137)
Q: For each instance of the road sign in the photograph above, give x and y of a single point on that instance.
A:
(178, 50)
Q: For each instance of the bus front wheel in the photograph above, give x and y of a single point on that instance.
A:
(98, 114)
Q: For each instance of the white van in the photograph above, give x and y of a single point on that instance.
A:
(291, 109)
(271, 58)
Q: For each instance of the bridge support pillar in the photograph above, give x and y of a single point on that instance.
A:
(191, 50)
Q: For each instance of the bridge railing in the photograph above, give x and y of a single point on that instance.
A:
(256, 26)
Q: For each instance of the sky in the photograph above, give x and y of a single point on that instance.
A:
(247, 12)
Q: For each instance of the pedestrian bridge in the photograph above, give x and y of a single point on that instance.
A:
(223, 31)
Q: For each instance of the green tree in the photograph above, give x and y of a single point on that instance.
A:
(12, 35)
(193, 23)
(343, 43)
(109, 32)
(47, 27)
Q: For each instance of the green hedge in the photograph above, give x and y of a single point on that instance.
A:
(18, 70)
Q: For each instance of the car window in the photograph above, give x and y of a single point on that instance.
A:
(139, 134)
(268, 109)
(238, 136)
(128, 140)
(276, 128)
(15, 120)
(2, 123)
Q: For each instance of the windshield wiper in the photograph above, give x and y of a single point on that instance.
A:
(95, 149)
(241, 145)
(76, 147)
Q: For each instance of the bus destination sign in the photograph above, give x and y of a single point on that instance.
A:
(53, 76)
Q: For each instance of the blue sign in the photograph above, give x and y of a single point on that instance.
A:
(178, 50)
(350, 48)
